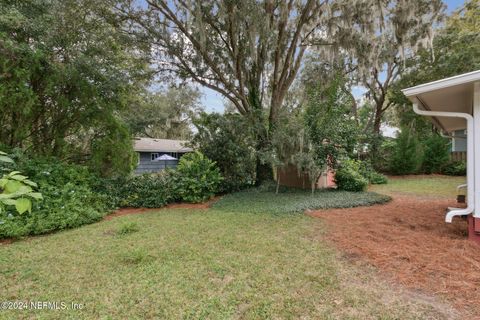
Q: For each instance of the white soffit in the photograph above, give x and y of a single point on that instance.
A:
(453, 94)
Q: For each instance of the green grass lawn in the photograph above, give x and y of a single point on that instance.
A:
(422, 185)
(197, 264)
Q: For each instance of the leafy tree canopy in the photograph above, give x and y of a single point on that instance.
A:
(65, 72)
(166, 114)
(456, 48)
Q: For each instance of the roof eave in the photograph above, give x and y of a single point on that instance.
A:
(444, 83)
(162, 150)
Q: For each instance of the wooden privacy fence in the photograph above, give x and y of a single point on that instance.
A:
(290, 177)
(458, 156)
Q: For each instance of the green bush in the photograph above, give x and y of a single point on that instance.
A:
(455, 168)
(69, 200)
(436, 154)
(145, 191)
(365, 168)
(227, 139)
(16, 190)
(51, 171)
(377, 178)
(406, 157)
(383, 158)
(349, 178)
(196, 178)
(73, 196)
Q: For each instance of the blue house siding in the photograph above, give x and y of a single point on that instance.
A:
(459, 142)
(146, 165)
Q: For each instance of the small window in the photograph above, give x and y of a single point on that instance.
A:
(154, 156)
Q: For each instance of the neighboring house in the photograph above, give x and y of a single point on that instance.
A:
(459, 141)
(458, 147)
(158, 154)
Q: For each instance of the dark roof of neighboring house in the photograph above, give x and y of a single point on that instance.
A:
(160, 145)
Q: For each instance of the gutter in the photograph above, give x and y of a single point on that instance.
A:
(470, 157)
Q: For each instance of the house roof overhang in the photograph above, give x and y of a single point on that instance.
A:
(160, 145)
(453, 94)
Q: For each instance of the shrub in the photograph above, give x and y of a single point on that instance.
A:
(365, 168)
(455, 168)
(436, 154)
(406, 157)
(229, 141)
(68, 199)
(196, 178)
(112, 152)
(349, 178)
(63, 207)
(377, 178)
(16, 190)
(145, 191)
(383, 158)
(51, 171)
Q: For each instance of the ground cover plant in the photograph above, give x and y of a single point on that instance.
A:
(289, 200)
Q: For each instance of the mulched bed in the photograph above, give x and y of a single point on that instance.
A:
(127, 211)
(409, 242)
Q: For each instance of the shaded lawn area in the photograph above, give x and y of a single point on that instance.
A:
(196, 264)
(421, 185)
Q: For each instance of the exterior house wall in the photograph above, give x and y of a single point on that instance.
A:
(146, 165)
(459, 142)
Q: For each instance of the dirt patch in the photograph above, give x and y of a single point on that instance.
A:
(409, 240)
(6, 241)
(127, 211)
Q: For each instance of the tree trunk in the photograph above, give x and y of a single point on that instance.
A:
(278, 181)
(263, 172)
(377, 123)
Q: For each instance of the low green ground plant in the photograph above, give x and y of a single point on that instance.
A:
(291, 200)
(455, 168)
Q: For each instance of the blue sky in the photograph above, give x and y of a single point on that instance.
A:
(214, 101)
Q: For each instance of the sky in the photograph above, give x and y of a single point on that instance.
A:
(214, 102)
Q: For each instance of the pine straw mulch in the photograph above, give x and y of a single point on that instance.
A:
(409, 241)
